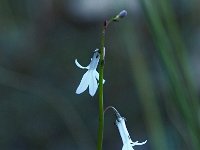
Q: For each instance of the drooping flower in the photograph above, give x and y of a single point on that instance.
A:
(90, 78)
(127, 142)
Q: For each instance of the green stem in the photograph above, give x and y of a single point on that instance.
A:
(101, 69)
(101, 109)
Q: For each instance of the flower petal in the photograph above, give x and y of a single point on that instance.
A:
(137, 143)
(78, 65)
(96, 50)
(123, 130)
(127, 147)
(84, 83)
(92, 84)
(95, 60)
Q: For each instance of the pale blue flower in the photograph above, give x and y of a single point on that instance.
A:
(90, 78)
(127, 142)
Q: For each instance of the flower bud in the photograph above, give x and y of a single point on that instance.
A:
(121, 15)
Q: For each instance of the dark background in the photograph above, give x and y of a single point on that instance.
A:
(151, 72)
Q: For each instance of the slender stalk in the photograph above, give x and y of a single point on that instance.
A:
(101, 108)
(119, 16)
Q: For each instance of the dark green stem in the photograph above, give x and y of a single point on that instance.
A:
(101, 69)
(101, 108)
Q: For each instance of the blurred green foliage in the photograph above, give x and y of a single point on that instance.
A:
(151, 72)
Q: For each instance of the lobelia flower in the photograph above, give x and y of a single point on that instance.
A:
(127, 142)
(90, 78)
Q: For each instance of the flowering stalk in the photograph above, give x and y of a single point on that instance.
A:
(121, 15)
(89, 79)
(101, 69)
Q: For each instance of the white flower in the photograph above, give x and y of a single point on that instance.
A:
(91, 76)
(127, 142)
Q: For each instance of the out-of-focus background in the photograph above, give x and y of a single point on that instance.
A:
(151, 71)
